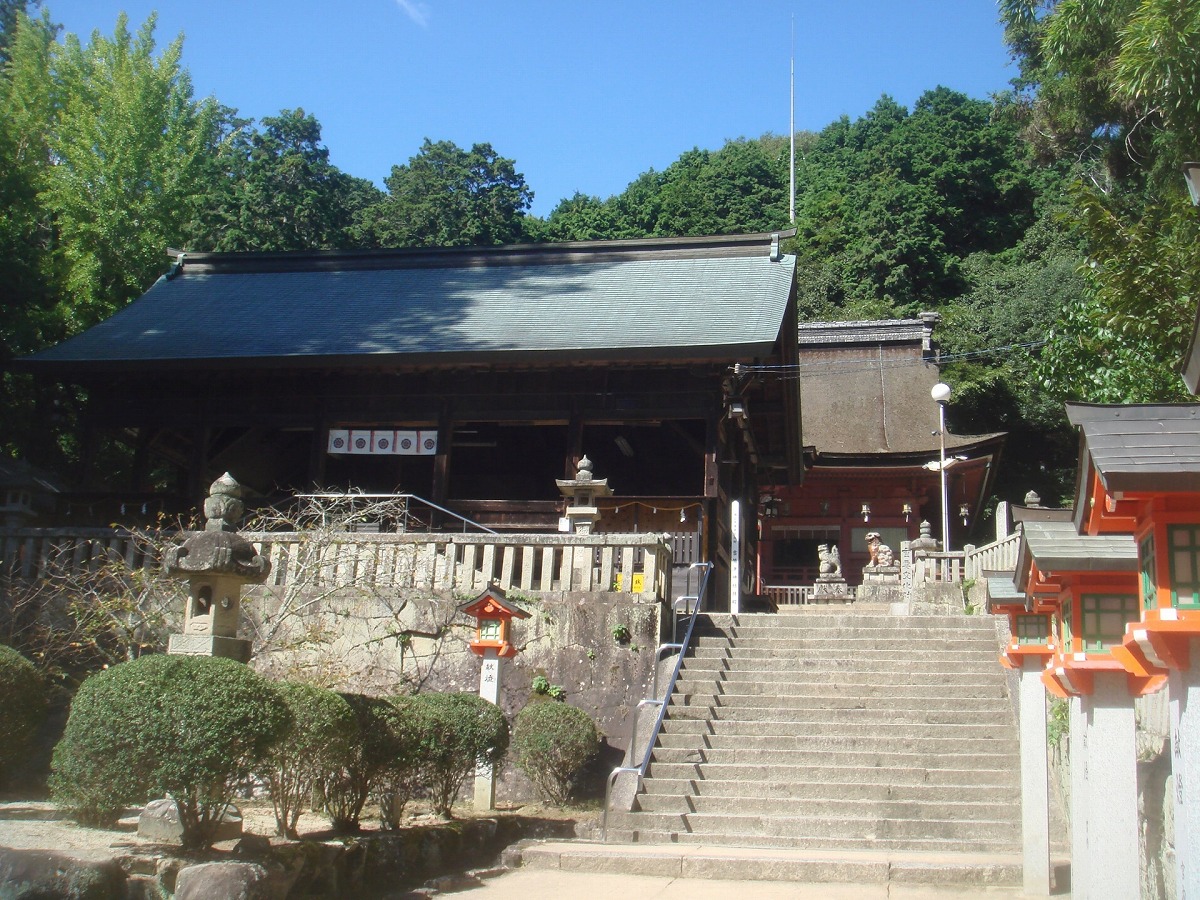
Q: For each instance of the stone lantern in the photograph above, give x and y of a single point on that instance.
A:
(493, 614)
(581, 493)
(217, 563)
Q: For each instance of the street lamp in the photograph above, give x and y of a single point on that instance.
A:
(941, 395)
(1191, 172)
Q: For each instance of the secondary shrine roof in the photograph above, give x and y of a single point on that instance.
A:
(1144, 447)
(679, 298)
(1056, 546)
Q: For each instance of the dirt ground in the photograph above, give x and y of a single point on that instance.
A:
(39, 825)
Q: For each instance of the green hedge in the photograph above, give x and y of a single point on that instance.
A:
(22, 708)
(184, 726)
(322, 737)
(553, 744)
(458, 732)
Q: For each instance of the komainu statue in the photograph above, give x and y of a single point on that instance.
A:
(881, 553)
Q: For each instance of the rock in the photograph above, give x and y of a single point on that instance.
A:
(159, 821)
(226, 880)
(40, 873)
(253, 846)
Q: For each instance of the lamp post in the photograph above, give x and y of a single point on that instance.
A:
(1191, 173)
(941, 394)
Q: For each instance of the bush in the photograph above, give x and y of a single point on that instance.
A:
(553, 744)
(379, 743)
(458, 732)
(401, 779)
(22, 707)
(185, 726)
(321, 738)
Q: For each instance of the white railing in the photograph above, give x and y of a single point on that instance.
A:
(930, 566)
(625, 563)
(784, 595)
(998, 556)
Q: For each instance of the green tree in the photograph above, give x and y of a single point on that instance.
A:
(129, 144)
(1112, 85)
(446, 197)
(273, 188)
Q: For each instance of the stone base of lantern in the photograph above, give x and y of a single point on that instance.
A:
(209, 645)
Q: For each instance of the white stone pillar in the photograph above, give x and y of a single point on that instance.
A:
(1079, 797)
(1110, 863)
(489, 690)
(735, 557)
(1184, 699)
(1035, 781)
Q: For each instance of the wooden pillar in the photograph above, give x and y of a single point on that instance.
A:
(318, 449)
(141, 452)
(441, 463)
(197, 485)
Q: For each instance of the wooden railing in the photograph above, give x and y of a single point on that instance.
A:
(625, 563)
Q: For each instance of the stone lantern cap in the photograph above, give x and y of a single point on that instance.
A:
(583, 481)
(219, 549)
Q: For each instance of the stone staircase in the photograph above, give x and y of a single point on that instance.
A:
(842, 736)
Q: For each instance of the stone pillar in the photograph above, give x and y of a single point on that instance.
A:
(489, 690)
(1184, 700)
(1078, 731)
(1035, 804)
(1108, 864)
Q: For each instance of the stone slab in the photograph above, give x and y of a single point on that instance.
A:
(209, 645)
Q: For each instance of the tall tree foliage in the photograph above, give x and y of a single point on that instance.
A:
(274, 188)
(446, 197)
(1114, 85)
(129, 144)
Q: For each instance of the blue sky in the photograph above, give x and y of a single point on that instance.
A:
(584, 96)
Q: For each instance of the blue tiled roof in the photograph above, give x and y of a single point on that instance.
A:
(591, 302)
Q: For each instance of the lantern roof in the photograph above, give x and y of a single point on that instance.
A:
(493, 602)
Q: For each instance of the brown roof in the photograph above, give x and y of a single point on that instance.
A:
(865, 388)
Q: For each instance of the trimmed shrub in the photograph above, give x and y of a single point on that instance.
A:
(188, 727)
(347, 787)
(458, 732)
(400, 781)
(22, 707)
(321, 738)
(553, 743)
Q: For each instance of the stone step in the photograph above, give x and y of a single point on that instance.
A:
(941, 870)
(867, 757)
(797, 669)
(814, 700)
(833, 654)
(825, 743)
(795, 773)
(835, 727)
(950, 690)
(848, 616)
(980, 844)
(836, 788)
(946, 810)
(996, 833)
(852, 646)
(839, 630)
(702, 708)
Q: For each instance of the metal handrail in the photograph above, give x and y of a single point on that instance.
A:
(660, 702)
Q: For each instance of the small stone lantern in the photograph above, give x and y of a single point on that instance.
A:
(493, 615)
(581, 493)
(217, 563)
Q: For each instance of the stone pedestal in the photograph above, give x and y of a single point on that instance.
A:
(881, 584)
(832, 590)
(1035, 803)
(1104, 803)
(209, 645)
(1184, 699)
